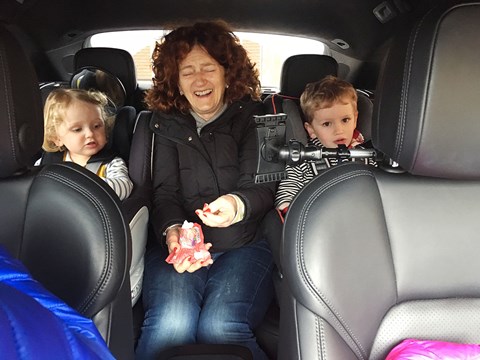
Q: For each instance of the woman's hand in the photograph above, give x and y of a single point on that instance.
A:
(190, 264)
(219, 213)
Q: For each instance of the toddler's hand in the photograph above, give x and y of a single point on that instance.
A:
(219, 213)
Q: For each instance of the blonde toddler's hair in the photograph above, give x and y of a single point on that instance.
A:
(57, 104)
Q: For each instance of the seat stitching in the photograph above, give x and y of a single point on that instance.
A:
(323, 347)
(107, 229)
(8, 100)
(405, 85)
(358, 348)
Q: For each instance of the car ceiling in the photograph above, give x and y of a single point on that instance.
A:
(55, 23)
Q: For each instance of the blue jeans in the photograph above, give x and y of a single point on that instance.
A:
(220, 304)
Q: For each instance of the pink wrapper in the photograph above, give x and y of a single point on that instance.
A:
(411, 349)
(192, 245)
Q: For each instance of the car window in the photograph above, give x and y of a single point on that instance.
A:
(268, 51)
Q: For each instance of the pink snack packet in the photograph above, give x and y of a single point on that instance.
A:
(191, 245)
(412, 349)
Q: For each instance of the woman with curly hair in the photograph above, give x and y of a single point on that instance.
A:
(204, 97)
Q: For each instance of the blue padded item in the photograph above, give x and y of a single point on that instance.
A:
(34, 324)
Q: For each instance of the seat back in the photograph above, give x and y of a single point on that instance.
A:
(92, 65)
(371, 258)
(141, 156)
(63, 222)
(117, 62)
(99, 79)
(297, 72)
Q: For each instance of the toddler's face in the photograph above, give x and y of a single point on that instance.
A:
(82, 131)
(334, 125)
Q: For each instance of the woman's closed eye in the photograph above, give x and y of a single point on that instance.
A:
(186, 71)
(210, 68)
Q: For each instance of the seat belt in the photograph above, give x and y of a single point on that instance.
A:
(97, 167)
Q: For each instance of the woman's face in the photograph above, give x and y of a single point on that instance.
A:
(202, 82)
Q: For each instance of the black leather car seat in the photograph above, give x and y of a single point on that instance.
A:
(119, 63)
(63, 222)
(371, 257)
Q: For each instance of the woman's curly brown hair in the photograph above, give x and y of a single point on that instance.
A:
(219, 41)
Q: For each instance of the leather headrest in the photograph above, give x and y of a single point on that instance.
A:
(299, 70)
(426, 114)
(21, 118)
(94, 78)
(117, 62)
(365, 110)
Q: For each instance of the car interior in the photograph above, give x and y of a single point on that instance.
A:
(366, 257)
